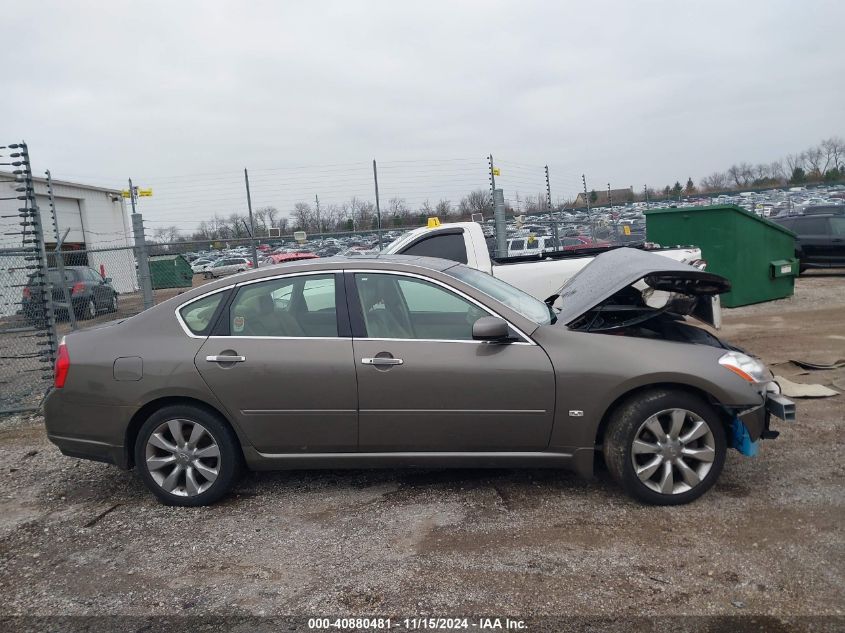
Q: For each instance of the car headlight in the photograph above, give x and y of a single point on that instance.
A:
(745, 366)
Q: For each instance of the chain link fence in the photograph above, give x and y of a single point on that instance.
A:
(27, 327)
(86, 287)
(47, 292)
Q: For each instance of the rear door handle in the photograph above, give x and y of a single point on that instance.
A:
(381, 361)
(225, 359)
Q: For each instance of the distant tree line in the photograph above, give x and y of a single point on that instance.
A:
(355, 214)
(822, 163)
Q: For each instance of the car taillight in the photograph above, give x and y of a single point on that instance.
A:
(26, 293)
(77, 288)
(62, 366)
(249, 264)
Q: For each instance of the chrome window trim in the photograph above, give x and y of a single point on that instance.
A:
(443, 340)
(284, 338)
(527, 339)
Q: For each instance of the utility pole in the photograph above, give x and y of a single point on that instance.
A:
(492, 178)
(251, 222)
(144, 279)
(614, 220)
(132, 196)
(645, 193)
(551, 213)
(589, 212)
(378, 204)
(317, 202)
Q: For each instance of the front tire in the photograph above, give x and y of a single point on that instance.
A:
(87, 311)
(665, 447)
(187, 456)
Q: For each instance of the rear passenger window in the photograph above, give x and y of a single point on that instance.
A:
(197, 315)
(289, 307)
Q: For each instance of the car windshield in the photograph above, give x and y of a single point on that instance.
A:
(517, 300)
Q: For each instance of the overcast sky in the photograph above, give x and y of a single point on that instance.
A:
(626, 92)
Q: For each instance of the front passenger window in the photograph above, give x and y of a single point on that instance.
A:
(399, 307)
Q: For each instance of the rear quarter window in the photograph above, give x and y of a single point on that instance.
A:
(199, 314)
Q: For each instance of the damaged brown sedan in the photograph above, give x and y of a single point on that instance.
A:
(399, 361)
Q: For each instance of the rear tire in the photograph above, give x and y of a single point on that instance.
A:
(665, 447)
(187, 456)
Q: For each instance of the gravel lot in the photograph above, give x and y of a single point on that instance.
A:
(81, 538)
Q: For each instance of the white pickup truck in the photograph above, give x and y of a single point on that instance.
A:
(541, 276)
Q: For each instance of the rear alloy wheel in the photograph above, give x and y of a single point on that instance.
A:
(187, 456)
(665, 448)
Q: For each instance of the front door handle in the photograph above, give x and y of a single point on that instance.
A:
(225, 359)
(381, 361)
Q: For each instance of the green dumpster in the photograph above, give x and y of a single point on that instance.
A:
(170, 271)
(758, 256)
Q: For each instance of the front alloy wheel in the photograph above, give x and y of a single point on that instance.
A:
(665, 447)
(673, 451)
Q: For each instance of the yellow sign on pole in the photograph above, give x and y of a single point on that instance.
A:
(626, 229)
(125, 193)
(497, 171)
(145, 193)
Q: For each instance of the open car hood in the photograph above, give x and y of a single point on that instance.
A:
(619, 279)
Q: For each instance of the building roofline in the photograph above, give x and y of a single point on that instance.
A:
(66, 183)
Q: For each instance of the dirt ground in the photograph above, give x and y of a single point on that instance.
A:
(82, 538)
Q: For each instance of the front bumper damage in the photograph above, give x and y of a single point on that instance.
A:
(749, 425)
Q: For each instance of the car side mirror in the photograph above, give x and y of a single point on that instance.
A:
(490, 329)
(106, 280)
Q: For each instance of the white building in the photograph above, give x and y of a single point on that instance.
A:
(100, 229)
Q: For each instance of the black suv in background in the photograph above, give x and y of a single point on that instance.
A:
(89, 294)
(820, 241)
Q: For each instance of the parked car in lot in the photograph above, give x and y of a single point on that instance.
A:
(201, 265)
(409, 361)
(227, 266)
(281, 258)
(820, 239)
(89, 293)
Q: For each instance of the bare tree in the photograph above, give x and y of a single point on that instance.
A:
(443, 208)
(776, 171)
(477, 201)
(303, 216)
(834, 149)
(236, 223)
(717, 181)
(795, 161)
(399, 211)
(815, 158)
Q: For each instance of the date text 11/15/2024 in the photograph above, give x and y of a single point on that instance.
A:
(416, 624)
